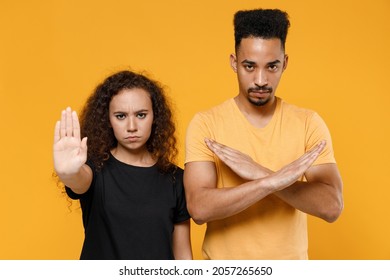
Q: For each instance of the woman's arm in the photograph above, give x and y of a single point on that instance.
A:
(70, 153)
(182, 241)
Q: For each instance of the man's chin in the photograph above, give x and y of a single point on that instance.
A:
(258, 102)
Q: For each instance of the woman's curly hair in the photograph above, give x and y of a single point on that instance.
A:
(95, 123)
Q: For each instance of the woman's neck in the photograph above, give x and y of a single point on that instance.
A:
(142, 158)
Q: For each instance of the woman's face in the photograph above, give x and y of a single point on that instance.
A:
(131, 118)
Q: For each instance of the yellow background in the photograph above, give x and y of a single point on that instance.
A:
(53, 54)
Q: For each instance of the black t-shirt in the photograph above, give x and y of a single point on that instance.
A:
(129, 212)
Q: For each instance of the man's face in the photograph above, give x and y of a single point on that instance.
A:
(259, 64)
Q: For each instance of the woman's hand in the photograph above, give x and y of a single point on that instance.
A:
(69, 151)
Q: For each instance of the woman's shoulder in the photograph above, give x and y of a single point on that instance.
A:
(177, 173)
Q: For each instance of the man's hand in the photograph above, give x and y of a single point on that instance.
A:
(242, 164)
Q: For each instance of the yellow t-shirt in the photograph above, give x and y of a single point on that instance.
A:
(269, 229)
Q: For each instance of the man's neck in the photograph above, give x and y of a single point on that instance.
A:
(258, 116)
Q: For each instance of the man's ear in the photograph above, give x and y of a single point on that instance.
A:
(233, 62)
(285, 62)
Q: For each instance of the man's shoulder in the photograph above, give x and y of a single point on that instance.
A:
(299, 115)
(222, 108)
(288, 108)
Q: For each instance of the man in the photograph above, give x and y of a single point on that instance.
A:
(233, 150)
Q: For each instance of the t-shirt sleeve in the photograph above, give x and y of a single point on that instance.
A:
(181, 213)
(317, 130)
(72, 194)
(195, 147)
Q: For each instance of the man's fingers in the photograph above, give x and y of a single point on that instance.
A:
(320, 146)
(221, 149)
(314, 152)
(310, 157)
(216, 149)
(212, 146)
(317, 150)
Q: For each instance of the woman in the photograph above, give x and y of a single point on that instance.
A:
(131, 194)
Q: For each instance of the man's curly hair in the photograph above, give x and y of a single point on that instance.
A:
(95, 123)
(261, 23)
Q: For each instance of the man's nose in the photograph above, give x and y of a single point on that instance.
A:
(261, 78)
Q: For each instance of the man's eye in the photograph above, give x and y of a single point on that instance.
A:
(273, 67)
(249, 67)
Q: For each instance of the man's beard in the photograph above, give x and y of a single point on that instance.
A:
(260, 102)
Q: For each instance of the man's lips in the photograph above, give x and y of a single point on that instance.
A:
(260, 93)
(260, 90)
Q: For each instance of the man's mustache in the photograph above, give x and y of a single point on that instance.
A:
(262, 89)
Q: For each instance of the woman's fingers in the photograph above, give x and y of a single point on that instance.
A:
(75, 125)
(68, 126)
(69, 122)
(63, 124)
(57, 132)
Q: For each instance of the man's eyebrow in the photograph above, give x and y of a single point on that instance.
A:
(274, 62)
(246, 61)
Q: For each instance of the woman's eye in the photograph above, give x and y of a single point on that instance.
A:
(141, 115)
(120, 116)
